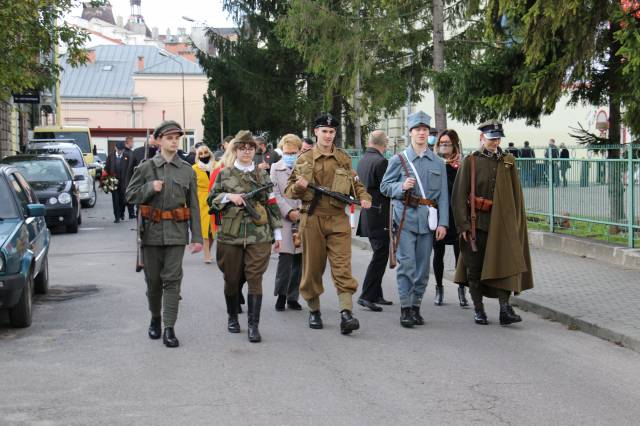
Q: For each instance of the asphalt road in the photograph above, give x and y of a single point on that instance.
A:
(86, 359)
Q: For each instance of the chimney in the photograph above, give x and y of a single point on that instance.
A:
(140, 63)
(120, 21)
(91, 56)
(155, 33)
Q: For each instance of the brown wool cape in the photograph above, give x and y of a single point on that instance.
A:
(507, 263)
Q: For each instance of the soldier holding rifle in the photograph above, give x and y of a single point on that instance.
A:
(416, 179)
(324, 225)
(250, 222)
(165, 190)
(488, 209)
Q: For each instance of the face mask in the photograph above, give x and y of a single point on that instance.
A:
(289, 159)
(205, 160)
(431, 140)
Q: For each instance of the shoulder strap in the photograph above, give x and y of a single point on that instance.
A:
(415, 172)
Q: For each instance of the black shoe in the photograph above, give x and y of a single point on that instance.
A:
(417, 318)
(169, 338)
(315, 320)
(155, 328)
(294, 305)
(382, 301)
(122, 218)
(462, 296)
(507, 315)
(116, 221)
(253, 317)
(406, 317)
(347, 322)
(439, 295)
(370, 305)
(481, 318)
(233, 325)
(281, 302)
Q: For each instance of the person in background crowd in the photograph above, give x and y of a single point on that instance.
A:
(564, 163)
(449, 149)
(527, 167)
(118, 166)
(495, 261)
(265, 157)
(128, 151)
(222, 148)
(203, 167)
(191, 157)
(138, 154)
(307, 144)
(373, 224)
(511, 149)
(289, 272)
(433, 137)
(244, 242)
(552, 152)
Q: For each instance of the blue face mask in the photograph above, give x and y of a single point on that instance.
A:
(290, 159)
(431, 140)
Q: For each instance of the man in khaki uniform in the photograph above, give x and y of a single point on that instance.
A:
(165, 190)
(326, 233)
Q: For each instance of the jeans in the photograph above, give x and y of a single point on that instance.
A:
(414, 259)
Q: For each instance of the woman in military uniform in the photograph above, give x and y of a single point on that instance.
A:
(244, 240)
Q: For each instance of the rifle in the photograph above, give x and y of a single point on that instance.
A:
(472, 205)
(393, 260)
(140, 219)
(247, 197)
(321, 190)
(395, 236)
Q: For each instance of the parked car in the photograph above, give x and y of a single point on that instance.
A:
(55, 186)
(24, 246)
(79, 135)
(73, 155)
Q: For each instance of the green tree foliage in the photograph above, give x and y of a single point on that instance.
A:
(28, 35)
(263, 84)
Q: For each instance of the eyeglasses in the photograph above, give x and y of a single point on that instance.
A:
(246, 148)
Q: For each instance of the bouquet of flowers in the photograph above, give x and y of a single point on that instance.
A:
(109, 184)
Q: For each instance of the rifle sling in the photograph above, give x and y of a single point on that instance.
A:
(472, 198)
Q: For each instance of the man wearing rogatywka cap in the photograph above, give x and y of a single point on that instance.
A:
(496, 262)
(166, 193)
(326, 232)
(416, 180)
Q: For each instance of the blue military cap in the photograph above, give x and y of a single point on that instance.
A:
(326, 120)
(418, 118)
(492, 129)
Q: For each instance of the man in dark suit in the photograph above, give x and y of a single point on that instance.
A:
(373, 224)
(118, 166)
(128, 151)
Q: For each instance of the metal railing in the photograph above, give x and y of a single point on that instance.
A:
(587, 194)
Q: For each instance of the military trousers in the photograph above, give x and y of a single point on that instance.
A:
(242, 263)
(326, 237)
(473, 262)
(163, 273)
(414, 259)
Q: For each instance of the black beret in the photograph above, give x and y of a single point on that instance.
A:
(326, 120)
(167, 127)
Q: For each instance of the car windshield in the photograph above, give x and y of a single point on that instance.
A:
(42, 170)
(72, 155)
(7, 206)
(79, 138)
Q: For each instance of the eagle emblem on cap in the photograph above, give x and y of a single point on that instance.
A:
(329, 118)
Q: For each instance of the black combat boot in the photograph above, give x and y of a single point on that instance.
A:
(462, 296)
(315, 320)
(254, 303)
(507, 315)
(481, 317)
(169, 338)
(439, 300)
(233, 325)
(281, 302)
(406, 317)
(417, 318)
(155, 328)
(347, 322)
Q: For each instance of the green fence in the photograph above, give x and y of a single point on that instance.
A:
(587, 194)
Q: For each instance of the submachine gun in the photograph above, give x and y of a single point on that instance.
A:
(321, 190)
(248, 204)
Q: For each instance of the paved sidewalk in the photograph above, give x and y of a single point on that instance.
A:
(598, 298)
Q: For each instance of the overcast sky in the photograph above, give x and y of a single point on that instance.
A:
(168, 13)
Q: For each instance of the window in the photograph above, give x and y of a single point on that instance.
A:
(22, 196)
(79, 138)
(8, 208)
(31, 196)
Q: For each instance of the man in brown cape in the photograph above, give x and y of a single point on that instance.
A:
(500, 265)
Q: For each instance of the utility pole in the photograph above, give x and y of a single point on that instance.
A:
(221, 123)
(438, 59)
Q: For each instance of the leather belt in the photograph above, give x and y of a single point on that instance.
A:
(181, 214)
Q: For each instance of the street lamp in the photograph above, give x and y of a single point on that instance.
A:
(184, 115)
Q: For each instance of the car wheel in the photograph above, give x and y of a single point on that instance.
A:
(91, 202)
(41, 282)
(20, 315)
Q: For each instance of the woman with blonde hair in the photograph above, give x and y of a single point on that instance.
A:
(203, 167)
(449, 149)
